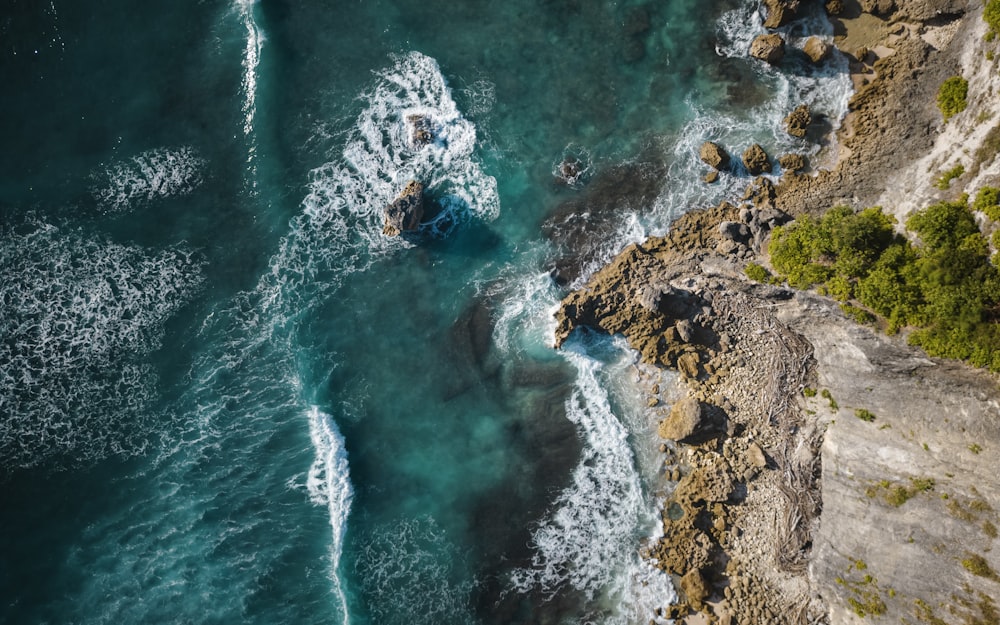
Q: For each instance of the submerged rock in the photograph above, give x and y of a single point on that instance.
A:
(797, 122)
(755, 160)
(713, 155)
(406, 211)
(421, 130)
(769, 48)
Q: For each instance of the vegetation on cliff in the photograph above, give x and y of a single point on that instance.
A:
(944, 287)
(952, 96)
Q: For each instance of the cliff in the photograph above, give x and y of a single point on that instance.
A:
(824, 472)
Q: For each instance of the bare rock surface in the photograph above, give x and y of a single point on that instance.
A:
(755, 160)
(406, 211)
(769, 48)
(714, 155)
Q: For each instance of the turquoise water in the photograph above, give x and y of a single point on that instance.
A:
(226, 397)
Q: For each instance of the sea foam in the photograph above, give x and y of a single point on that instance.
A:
(590, 541)
(125, 185)
(80, 316)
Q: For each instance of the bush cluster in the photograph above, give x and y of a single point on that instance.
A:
(991, 15)
(945, 287)
(952, 96)
(988, 201)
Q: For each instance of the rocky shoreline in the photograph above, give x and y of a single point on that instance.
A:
(822, 472)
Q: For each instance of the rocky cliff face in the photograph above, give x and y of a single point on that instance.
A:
(824, 473)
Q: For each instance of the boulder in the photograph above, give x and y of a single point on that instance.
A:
(569, 170)
(734, 231)
(695, 589)
(816, 49)
(797, 122)
(769, 48)
(755, 160)
(711, 176)
(421, 130)
(834, 7)
(406, 211)
(780, 12)
(684, 419)
(792, 162)
(713, 155)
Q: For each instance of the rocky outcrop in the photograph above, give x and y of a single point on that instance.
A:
(714, 155)
(769, 48)
(816, 49)
(406, 211)
(792, 162)
(797, 122)
(780, 12)
(755, 160)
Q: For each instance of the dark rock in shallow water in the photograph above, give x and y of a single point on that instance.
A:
(406, 211)
(769, 48)
(713, 155)
(583, 225)
(797, 122)
(755, 160)
(569, 170)
(421, 130)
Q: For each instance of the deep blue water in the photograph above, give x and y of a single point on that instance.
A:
(226, 397)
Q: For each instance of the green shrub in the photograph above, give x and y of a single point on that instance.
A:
(809, 392)
(944, 181)
(991, 15)
(952, 96)
(977, 565)
(758, 273)
(864, 415)
(988, 201)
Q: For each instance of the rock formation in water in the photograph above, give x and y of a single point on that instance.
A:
(780, 12)
(816, 49)
(755, 160)
(421, 130)
(797, 122)
(406, 211)
(714, 155)
(769, 48)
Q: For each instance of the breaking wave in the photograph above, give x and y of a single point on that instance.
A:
(161, 173)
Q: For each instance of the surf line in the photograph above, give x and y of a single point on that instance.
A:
(329, 484)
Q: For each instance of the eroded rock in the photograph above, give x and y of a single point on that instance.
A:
(769, 48)
(792, 162)
(713, 155)
(755, 160)
(421, 130)
(780, 12)
(816, 49)
(797, 122)
(684, 420)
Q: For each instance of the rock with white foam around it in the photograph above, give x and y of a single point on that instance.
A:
(406, 211)
(421, 130)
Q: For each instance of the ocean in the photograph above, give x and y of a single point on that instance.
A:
(227, 397)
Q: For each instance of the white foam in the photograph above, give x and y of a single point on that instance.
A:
(251, 59)
(406, 569)
(329, 485)
(80, 315)
(590, 542)
(825, 88)
(160, 173)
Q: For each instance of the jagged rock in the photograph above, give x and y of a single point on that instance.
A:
(421, 130)
(834, 7)
(711, 177)
(695, 589)
(406, 211)
(797, 122)
(792, 162)
(816, 49)
(769, 48)
(713, 155)
(755, 160)
(683, 421)
(687, 364)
